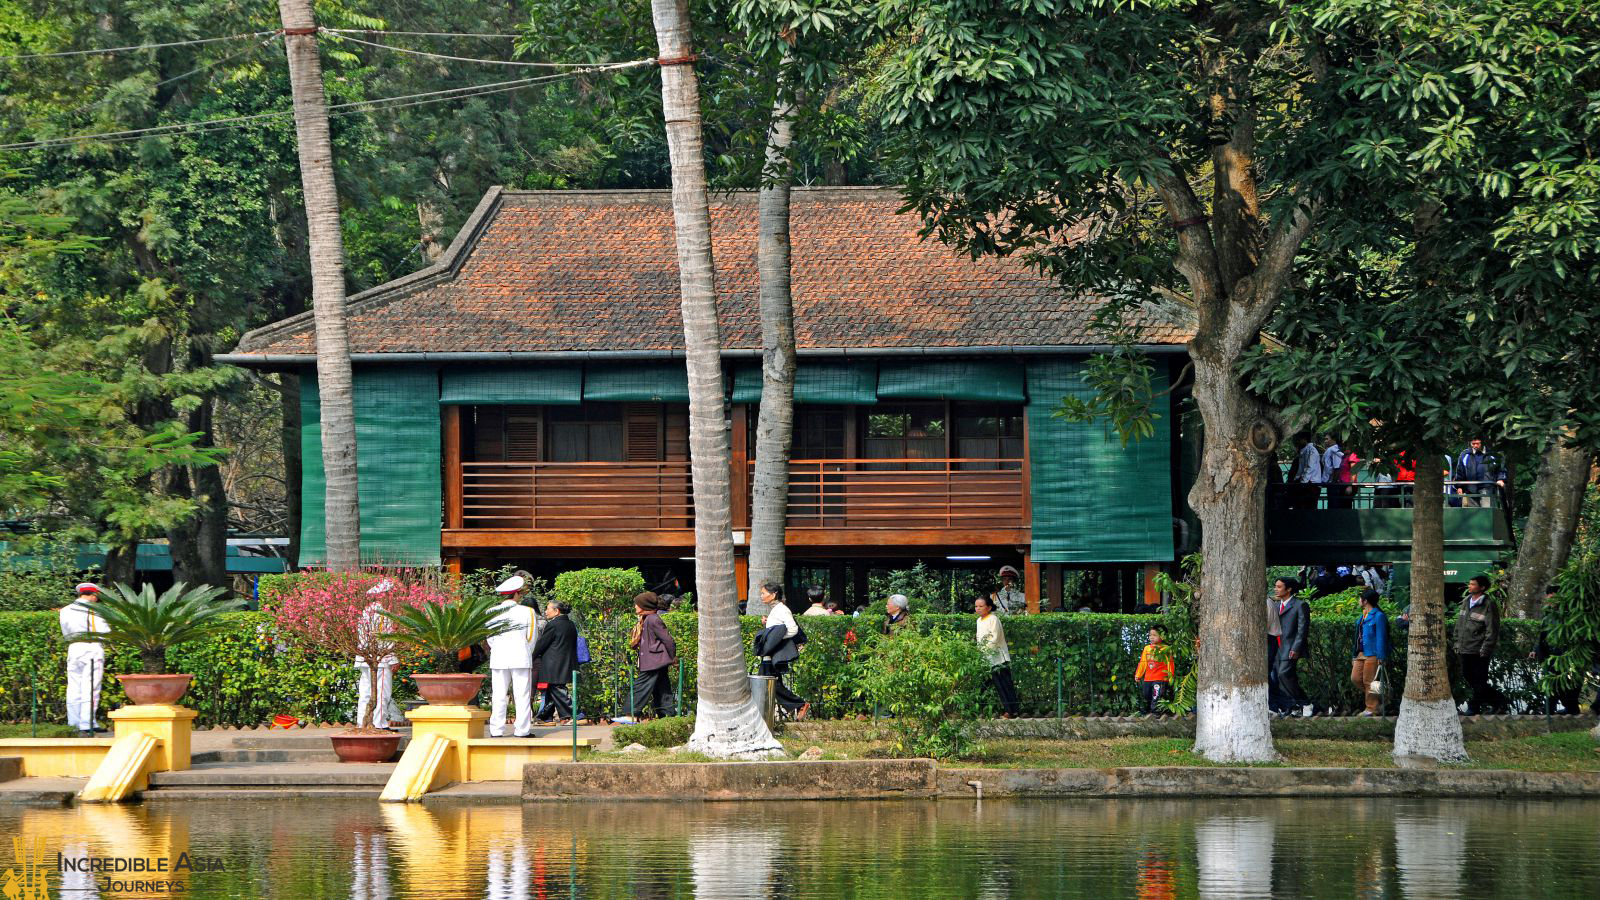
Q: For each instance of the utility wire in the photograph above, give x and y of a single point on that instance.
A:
(195, 71)
(210, 40)
(354, 106)
(469, 59)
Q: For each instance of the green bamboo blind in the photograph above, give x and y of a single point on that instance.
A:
(1094, 500)
(544, 385)
(397, 464)
(818, 383)
(666, 382)
(956, 379)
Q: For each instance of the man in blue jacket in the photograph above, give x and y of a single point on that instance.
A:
(1475, 464)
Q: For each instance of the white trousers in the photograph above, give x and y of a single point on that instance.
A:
(380, 712)
(521, 682)
(84, 672)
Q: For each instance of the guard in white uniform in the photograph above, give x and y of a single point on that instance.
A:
(86, 660)
(511, 659)
(371, 622)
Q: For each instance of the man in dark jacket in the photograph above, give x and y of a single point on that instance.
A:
(1294, 644)
(1477, 632)
(1478, 467)
(555, 655)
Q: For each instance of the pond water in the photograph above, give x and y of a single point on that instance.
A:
(919, 849)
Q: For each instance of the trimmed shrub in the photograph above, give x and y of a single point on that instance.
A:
(599, 593)
(657, 734)
(932, 684)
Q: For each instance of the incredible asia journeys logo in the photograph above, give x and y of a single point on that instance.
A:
(29, 878)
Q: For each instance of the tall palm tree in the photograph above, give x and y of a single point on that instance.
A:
(775, 422)
(334, 382)
(727, 722)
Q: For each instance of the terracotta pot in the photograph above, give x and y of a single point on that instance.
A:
(145, 690)
(448, 690)
(365, 748)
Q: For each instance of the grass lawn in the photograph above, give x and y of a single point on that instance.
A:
(1565, 751)
(45, 730)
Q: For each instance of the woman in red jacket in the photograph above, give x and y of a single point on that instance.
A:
(1154, 673)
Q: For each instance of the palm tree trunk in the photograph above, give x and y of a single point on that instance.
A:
(775, 423)
(1552, 524)
(334, 383)
(727, 722)
(1428, 724)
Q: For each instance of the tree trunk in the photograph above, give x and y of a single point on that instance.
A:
(1428, 724)
(341, 510)
(121, 565)
(199, 544)
(727, 722)
(775, 423)
(1232, 722)
(1557, 502)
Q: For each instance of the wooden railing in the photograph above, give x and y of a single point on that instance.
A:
(604, 496)
(823, 493)
(905, 493)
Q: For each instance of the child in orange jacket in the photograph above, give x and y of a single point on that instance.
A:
(1154, 673)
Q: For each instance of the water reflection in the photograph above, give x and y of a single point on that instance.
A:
(299, 850)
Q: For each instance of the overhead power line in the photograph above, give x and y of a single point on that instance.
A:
(354, 106)
(209, 40)
(467, 59)
(446, 34)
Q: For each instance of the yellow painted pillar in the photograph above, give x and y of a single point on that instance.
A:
(458, 724)
(169, 725)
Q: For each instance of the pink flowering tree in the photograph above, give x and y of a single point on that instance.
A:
(339, 613)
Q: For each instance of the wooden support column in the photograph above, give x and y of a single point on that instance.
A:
(836, 582)
(453, 516)
(741, 573)
(1030, 581)
(453, 565)
(1053, 585)
(1152, 597)
(740, 481)
(859, 571)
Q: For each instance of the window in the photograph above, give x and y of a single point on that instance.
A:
(588, 433)
(988, 432)
(905, 431)
(818, 433)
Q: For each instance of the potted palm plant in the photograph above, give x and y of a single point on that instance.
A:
(442, 630)
(148, 623)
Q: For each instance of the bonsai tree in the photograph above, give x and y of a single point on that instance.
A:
(442, 629)
(149, 623)
(336, 613)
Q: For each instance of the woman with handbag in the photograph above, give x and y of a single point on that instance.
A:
(1372, 648)
(658, 653)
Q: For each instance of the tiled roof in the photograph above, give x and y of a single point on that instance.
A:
(543, 271)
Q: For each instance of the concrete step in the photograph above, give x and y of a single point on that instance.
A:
(294, 792)
(325, 755)
(279, 740)
(275, 775)
(47, 791)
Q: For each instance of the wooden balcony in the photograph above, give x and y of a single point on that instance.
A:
(832, 502)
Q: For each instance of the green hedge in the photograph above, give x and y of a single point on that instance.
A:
(248, 674)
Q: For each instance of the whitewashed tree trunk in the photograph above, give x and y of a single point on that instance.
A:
(1428, 725)
(727, 721)
(1556, 504)
(775, 423)
(1232, 721)
(341, 508)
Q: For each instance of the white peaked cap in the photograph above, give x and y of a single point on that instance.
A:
(88, 587)
(511, 585)
(382, 587)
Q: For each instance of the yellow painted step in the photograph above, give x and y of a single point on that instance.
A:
(123, 771)
(420, 770)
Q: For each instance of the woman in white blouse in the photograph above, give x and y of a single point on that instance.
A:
(992, 641)
(778, 649)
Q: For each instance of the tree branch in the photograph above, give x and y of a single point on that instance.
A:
(1290, 231)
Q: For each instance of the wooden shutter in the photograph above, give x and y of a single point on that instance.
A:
(488, 433)
(677, 433)
(523, 432)
(641, 432)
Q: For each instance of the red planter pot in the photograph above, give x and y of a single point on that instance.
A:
(448, 690)
(145, 690)
(365, 748)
